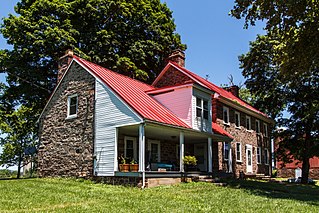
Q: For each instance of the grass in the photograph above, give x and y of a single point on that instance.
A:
(70, 195)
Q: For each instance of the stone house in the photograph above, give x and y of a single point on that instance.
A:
(95, 116)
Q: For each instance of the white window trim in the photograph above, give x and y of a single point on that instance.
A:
(227, 110)
(266, 153)
(257, 124)
(237, 113)
(159, 148)
(201, 107)
(134, 146)
(240, 151)
(248, 117)
(68, 107)
(266, 130)
(258, 160)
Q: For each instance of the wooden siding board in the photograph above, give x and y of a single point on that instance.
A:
(110, 112)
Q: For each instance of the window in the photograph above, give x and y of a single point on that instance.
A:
(257, 126)
(238, 152)
(202, 109)
(130, 148)
(226, 115)
(265, 130)
(266, 157)
(248, 123)
(205, 109)
(226, 151)
(198, 107)
(237, 119)
(258, 154)
(72, 106)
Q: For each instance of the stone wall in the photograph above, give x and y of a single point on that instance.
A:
(245, 137)
(67, 144)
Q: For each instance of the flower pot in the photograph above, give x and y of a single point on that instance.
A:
(124, 167)
(134, 167)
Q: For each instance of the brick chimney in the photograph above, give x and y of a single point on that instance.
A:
(64, 62)
(177, 56)
(234, 90)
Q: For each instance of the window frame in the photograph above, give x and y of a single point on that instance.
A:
(257, 127)
(266, 156)
(201, 108)
(126, 138)
(258, 155)
(227, 112)
(69, 106)
(248, 118)
(237, 113)
(239, 152)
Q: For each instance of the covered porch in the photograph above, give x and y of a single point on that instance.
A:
(159, 150)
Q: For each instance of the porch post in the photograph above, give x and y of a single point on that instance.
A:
(210, 155)
(115, 150)
(141, 159)
(181, 151)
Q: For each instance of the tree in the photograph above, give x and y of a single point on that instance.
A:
(281, 69)
(129, 37)
(18, 129)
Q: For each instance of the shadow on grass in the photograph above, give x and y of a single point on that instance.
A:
(299, 192)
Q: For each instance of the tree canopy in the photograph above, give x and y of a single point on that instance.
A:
(282, 70)
(130, 37)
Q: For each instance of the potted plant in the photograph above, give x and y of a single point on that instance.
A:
(133, 166)
(124, 167)
(190, 162)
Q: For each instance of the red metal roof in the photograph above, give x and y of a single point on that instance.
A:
(219, 130)
(133, 92)
(219, 90)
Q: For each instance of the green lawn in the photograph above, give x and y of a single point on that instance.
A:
(69, 195)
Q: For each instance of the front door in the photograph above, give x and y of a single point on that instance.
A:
(249, 159)
(200, 152)
(154, 150)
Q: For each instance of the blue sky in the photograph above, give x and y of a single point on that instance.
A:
(214, 39)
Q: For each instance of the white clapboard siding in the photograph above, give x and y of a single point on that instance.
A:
(179, 102)
(198, 123)
(110, 111)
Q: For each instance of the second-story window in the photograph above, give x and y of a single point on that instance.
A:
(226, 115)
(248, 123)
(265, 130)
(72, 106)
(237, 119)
(202, 110)
(257, 126)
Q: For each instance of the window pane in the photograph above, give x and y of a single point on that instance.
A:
(206, 114)
(198, 112)
(199, 102)
(237, 119)
(205, 104)
(225, 115)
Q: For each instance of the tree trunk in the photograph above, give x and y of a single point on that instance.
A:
(305, 170)
(19, 165)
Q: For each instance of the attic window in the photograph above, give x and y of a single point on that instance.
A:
(72, 106)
